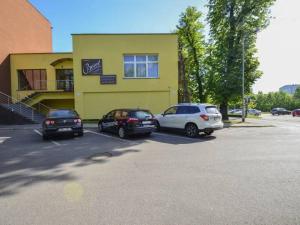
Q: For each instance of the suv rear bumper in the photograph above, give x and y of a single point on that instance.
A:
(212, 128)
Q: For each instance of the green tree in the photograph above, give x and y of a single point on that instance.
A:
(297, 94)
(230, 22)
(191, 55)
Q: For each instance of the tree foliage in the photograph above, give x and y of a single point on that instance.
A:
(191, 55)
(266, 102)
(230, 21)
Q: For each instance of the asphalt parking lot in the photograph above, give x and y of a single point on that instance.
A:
(236, 176)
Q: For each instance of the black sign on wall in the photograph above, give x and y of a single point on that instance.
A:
(91, 66)
(108, 79)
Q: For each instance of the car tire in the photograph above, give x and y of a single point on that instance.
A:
(100, 127)
(121, 133)
(208, 133)
(148, 134)
(191, 130)
(80, 134)
(45, 137)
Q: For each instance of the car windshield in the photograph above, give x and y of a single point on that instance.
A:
(141, 115)
(211, 109)
(62, 114)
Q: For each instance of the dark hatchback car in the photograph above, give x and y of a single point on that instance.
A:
(280, 111)
(125, 122)
(62, 121)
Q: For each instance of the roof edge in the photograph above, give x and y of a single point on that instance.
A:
(36, 53)
(74, 34)
(39, 12)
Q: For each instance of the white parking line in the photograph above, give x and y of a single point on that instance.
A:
(108, 136)
(177, 136)
(2, 139)
(39, 133)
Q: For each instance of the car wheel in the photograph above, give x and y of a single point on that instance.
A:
(80, 134)
(100, 127)
(148, 134)
(122, 133)
(191, 130)
(208, 132)
(45, 137)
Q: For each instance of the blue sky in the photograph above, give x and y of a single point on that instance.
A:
(279, 58)
(110, 16)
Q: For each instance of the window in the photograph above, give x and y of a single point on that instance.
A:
(141, 115)
(187, 110)
(32, 80)
(211, 109)
(62, 114)
(171, 111)
(141, 66)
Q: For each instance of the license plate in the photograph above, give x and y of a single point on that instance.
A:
(146, 122)
(64, 129)
(217, 118)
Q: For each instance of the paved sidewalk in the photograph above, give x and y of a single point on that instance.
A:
(237, 123)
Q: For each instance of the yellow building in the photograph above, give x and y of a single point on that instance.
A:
(104, 72)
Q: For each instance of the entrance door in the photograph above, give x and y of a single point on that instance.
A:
(64, 79)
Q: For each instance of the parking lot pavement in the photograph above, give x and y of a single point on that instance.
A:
(237, 176)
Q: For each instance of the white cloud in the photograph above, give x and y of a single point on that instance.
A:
(279, 47)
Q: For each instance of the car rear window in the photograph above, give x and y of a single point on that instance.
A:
(62, 114)
(211, 109)
(141, 115)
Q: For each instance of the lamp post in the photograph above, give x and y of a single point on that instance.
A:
(243, 78)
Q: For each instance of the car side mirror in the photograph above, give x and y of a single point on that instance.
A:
(104, 117)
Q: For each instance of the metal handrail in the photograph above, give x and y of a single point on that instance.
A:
(22, 108)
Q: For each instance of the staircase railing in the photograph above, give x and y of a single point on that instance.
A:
(22, 108)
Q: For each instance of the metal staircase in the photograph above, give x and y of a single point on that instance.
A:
(34, 114)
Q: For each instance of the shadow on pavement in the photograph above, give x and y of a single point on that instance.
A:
(27, 160)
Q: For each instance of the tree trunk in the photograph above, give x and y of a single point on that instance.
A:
(224, 110)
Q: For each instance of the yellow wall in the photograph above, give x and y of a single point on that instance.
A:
(36, 61)
(92, 100)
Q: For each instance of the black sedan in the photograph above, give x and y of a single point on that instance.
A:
(62, 121)
(126, 122)
(280, 111)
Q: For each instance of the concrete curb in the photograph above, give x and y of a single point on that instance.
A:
(246, 126)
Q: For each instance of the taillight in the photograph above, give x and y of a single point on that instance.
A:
(205, 117)
(48, 122)
(77, 121)
(132, 120)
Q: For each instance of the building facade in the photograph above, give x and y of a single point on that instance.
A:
(22, 29)
(104, 72)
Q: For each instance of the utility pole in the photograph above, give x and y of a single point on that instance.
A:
(243, 77)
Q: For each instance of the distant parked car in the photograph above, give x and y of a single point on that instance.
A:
(126, 122)
(254, 112)
(235, 111)
(296, 112)
(280, 111)
(192, 118)
(62, 121)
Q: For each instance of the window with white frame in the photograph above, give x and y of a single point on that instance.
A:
(141, 66)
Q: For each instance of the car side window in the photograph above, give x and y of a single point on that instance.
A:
(118, 115)
(187, 110)
(182, 110)
(171, 111)
(110, 115)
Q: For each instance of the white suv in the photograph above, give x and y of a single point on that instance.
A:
(192, 118)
